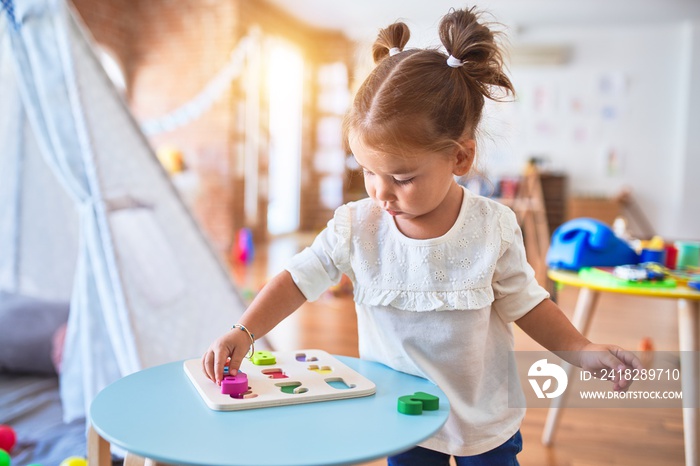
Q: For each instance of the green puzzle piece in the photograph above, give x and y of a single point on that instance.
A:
(416, 403)
(290, 388)
(263, 358)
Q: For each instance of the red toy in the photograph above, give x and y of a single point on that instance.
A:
(243, 248)
(8, 437)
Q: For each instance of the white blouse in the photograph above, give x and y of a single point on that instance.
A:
(438, 308)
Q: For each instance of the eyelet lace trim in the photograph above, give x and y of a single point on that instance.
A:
(421, 301)
(470, 288)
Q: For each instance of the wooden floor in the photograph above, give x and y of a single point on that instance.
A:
(586, 437)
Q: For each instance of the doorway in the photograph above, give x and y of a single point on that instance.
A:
(285, 84)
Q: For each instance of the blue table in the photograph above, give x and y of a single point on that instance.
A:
(158, 414)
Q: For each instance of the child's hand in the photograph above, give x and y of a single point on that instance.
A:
(613, 358)
(234, 344)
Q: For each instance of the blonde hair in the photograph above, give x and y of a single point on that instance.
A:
(414, 99)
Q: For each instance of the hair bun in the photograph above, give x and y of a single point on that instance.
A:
(391, 37)
(475, 45)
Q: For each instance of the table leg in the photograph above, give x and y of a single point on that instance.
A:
(688, 330)
(150, 462)
(585, 306)
(98, 449)
(133, 460)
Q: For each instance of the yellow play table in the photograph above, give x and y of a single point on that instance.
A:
(591, 286)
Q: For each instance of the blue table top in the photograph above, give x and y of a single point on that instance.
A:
(157, 413)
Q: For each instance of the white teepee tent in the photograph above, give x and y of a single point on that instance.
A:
(88, 214)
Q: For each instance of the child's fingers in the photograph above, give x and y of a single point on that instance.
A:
(605, 358)
(617, 360)
(214, 360)
(628, 358)
(610, 360)
(236, 359)
(625, 360)
(218, 354)
(208, 365)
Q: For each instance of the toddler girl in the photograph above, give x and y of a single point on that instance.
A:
(439, 274)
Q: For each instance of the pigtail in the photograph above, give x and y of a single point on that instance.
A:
(394, 37)
(474, 48)
(424, 99)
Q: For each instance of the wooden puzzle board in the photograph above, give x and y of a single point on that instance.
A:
(305, 375)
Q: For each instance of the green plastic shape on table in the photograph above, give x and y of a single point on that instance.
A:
(416, 403)
(263, 358)
(606, 278)
(292, 388)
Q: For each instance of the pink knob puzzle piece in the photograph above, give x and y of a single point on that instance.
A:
(234, 384)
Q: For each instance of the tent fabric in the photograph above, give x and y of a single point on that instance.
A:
(40, 41)
(91, 204)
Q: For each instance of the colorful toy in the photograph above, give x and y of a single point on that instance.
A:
(688, 257)
(640, 272)
(248, 295)
(235, 385)
(302, 357)
(417, 403)
(670, 254)
(8, 437)
(243, 248)
(74, 461)
(302, 376)
(275, 373)
(321, 370)
(171, 158)
(653, 255)
(604, 276)
(5, 459)
(263, 358)
(586, 242)
(646, 348)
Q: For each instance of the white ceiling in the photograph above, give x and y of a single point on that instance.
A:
(360, 19)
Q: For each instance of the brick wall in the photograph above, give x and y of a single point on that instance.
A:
(169, 50)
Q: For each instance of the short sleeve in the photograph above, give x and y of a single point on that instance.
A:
(322, 264)
(516, 290)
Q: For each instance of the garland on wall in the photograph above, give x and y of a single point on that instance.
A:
(210, 93)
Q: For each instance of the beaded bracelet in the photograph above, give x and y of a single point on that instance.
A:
(252, 339)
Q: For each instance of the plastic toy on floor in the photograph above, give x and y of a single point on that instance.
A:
(243, 248)
(74, 461)
(586, 242)
(8, 438)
